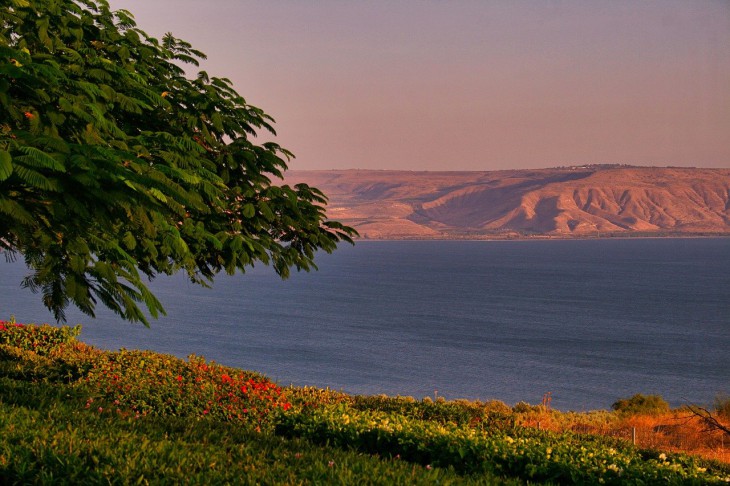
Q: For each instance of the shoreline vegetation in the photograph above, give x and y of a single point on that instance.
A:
(74, 414)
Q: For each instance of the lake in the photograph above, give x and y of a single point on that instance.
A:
(589, 320)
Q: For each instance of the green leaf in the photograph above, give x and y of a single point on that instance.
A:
(6, 165)
(266, 211)
(16, 211)
(249, 211)
(39, 159)
(158, 194)
(129, 241)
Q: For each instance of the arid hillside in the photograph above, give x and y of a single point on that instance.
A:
(562, 202)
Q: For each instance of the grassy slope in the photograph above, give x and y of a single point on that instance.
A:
(46, 437)
(70, 414)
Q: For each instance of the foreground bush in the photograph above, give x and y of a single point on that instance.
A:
(139, 382)
(143, 382)
(71, 413)
(39, 339)
(460, 412)
(45, 439)
(525, 453)
(48, 437)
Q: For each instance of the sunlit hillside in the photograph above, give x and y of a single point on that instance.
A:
(589, 201)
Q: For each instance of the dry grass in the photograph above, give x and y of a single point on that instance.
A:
(676, 431)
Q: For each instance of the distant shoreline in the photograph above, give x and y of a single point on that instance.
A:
(546, 238)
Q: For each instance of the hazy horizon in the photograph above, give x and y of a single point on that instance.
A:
(471, 85)
(555, 167)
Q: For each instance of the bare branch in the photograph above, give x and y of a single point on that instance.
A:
(710, 422)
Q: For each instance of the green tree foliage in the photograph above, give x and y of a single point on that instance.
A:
(642, 404)
(114, 166)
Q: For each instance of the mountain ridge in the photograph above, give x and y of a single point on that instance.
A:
(562, 202)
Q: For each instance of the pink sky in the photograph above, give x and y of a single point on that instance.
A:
(471, 85)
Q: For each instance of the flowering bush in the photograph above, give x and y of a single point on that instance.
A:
(42, 339)
(144, 382)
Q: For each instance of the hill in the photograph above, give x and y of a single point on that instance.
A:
(583, 201)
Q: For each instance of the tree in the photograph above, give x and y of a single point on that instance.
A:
(114, 166)
(641, 404)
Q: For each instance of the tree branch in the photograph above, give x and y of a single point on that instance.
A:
(710, 422)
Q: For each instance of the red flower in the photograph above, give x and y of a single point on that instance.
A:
(179, 378)
(28, 115)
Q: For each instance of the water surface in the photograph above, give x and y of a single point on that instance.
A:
(590, 321)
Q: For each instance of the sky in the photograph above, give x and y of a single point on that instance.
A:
(471, 85)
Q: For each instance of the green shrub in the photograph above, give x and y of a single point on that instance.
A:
(23, 363)
(524, 407)
(43, 339)
(74, 360)
(309, 396)
(641, 404)
(461, 412)
(56, 445)
(525, 453)
(497, 406)
(493, 413)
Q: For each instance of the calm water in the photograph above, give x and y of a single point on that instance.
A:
(589, 321)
